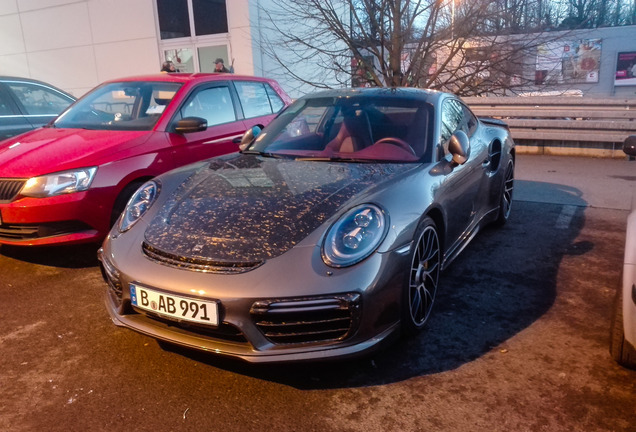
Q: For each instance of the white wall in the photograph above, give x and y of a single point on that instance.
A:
(77, 44)
(266, 65)
(241, 46)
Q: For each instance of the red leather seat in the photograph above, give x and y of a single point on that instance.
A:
(354, 134)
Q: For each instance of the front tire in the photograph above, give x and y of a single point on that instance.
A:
(620, 349)
(423, 277)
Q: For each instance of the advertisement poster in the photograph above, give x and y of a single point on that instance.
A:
(568, 62)
(625, 69)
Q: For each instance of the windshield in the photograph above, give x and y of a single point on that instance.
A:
(364, 128)
(120, 106)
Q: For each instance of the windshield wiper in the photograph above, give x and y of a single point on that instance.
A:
(265, 154)
(335, 159)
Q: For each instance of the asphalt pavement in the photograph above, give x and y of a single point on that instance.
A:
(580, 181)
(518, 339)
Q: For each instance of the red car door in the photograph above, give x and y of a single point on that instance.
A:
(215, 103)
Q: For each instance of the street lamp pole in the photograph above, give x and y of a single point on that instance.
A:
(452, 19)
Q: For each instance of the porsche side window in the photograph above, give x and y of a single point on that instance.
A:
(456, 116)
(452, 115)
(213, 104)
(470, 121)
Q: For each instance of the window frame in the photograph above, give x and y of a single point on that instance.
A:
(22, 108)
(191, 23)
(193, 42)
(269, 92)
(10, 102)
(238, 112)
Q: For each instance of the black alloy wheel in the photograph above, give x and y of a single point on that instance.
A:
(423, 277)
(505, 204)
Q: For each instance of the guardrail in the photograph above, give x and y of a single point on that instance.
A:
(563, 125)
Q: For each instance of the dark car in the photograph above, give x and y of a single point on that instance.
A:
(323, 238)
(27, 104)
(68, 182)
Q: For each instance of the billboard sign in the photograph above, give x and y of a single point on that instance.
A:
(625, 69)
(568, 62)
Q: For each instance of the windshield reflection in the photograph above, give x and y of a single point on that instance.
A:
(349, 129)
(120, 106)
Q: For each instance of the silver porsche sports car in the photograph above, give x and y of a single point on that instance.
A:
(323, 238)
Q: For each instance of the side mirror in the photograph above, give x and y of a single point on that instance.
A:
(191, 124)
(629, 146)
(249, 136)
(459, 147)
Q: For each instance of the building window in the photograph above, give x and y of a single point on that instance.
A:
(174, 21)
(210, 17)
(208, 54)
(184, 18)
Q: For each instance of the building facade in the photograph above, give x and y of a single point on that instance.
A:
(77, 44)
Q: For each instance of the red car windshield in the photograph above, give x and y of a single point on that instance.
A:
(120, 106)
(350, 129)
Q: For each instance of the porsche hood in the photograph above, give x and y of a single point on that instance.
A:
(247, 209)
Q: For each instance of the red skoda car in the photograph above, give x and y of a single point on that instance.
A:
(68, 182)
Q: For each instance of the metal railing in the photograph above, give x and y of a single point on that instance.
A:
(563, 125)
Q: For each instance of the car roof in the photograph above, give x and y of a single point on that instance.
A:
(7, 78)
(392, 92)
(188, 77)
(15, 78)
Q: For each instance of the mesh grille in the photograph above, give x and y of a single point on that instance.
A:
(320, 319)
(9, 189)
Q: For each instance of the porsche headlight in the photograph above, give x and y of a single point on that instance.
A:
(138, 205)
(64, 182)
(354, 236)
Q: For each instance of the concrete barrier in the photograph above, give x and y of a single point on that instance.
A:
(573, 126)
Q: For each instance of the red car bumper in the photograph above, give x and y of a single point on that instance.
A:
(81, 217)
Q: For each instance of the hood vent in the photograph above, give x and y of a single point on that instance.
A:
(198, 264)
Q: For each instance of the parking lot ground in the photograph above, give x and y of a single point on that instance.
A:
(518, 340)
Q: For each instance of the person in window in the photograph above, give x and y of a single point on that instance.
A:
(168, 67)
(219, 66)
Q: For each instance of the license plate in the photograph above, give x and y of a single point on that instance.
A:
(176, 307)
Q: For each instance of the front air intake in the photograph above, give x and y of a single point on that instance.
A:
(9, 189)
(307, 320)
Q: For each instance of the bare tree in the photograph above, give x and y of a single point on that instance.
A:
(469, 48)
(594, 13)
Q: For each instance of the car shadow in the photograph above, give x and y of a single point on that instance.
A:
(501, 284)
(75, 256)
